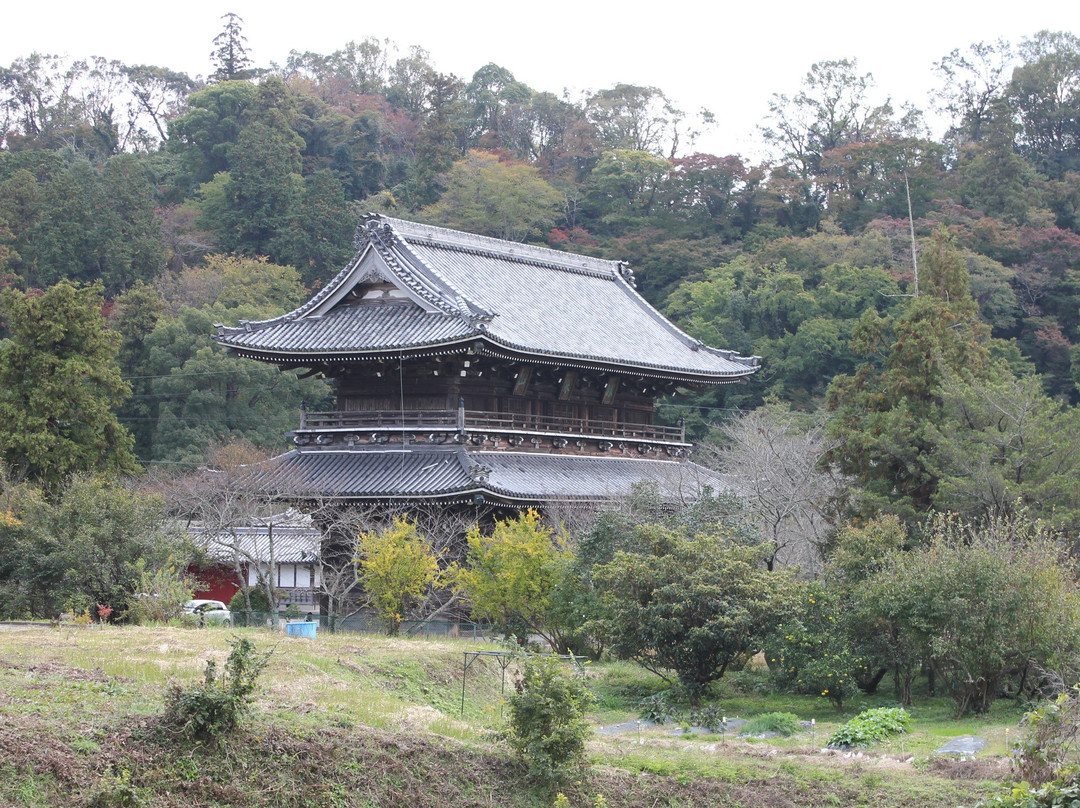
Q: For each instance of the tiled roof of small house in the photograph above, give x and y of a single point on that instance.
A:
(296, 540)
(459, 474)
(454, 291)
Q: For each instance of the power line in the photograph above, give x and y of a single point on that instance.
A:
(226, 420)
(201, 373)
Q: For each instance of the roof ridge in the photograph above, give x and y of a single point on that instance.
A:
(461, 306)
(488, 245)
(693, 342)
(303, 308)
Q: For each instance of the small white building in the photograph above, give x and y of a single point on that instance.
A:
(284, 547)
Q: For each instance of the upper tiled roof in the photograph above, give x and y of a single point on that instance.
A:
(459, 288)
(451, 473)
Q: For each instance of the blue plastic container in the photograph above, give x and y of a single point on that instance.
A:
(302, 629)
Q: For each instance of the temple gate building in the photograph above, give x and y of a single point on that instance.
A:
(470, 370)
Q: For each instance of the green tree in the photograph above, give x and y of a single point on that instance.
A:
(263, 189)
(886, 410)
(1045, 95)
(796, 307)
(59, 383)
(625, 187)
(868, 619)
(973, 84)
(199, 395)
(833, 109)
(91, 544)
(205, 134)
(811, 652)
(689, 605)
(633, 118)
(983, 604)
(512, 575)
(230, 57)
(495, 198)
(73, 220)
(318, 239)
(548, 728)
(1004, 444)
(396, 567)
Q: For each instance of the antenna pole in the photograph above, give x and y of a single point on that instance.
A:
(911, 223)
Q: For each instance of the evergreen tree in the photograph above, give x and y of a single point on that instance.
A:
(230, 56)
(886, 409)
(59, 380)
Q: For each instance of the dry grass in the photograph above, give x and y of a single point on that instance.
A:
(366, 721)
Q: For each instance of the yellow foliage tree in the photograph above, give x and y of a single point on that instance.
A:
(396, 567)
(513, 575)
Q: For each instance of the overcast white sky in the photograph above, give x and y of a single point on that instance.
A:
(727, 57)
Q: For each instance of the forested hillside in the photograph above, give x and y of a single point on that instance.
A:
(915, 299)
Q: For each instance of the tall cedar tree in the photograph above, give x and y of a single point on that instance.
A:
(887, 408)
(230, 55)
(59, 380)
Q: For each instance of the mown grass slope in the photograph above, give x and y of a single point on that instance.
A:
(365, 721)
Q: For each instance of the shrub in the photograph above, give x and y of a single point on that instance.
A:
(1052, 743)
(656, 708)
(257, 597)
(980, 601)
(785, 724)
(871, 726)
(160, 595)
(547, 728)
(711, 717)
(1063, 792)
(216, 705)
(813, 651)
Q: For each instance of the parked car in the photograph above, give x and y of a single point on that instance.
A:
(207, 610)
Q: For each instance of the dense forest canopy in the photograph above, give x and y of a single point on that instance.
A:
(920, 295)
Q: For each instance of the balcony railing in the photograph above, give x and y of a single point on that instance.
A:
(475, 421)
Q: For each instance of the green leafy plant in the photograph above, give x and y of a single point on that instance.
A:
(548, 729)
(711, 717)
(657, 709)
(118, 792)
(785, 724)
(1057, 794)
(1051, 745)
(216, 705)
(256, 596)
(160, 594)
(812, 651)
(871, 726)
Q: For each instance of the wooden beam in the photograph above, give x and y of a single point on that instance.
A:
(569, 382)
(521, 385)
(610, 389)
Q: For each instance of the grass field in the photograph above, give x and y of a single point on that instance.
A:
(351, 720)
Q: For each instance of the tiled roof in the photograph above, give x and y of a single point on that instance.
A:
(460, 288)
(555, 477)
(293, 544)
(458, 472)
(368, 473)
(351, 328)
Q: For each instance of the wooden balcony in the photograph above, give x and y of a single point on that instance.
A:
(504, 423)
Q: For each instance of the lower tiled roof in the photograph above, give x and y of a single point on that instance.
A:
(544, 477)
(366, 474)
(459, 473)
